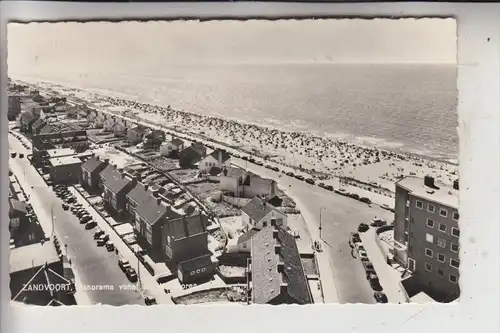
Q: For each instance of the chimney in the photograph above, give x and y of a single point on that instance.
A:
(283, 288)
(429, 181)
(277, 249)
(455, 184)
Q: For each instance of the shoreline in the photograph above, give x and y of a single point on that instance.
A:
(328, 157)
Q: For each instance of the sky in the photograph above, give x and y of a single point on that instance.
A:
(136, 45)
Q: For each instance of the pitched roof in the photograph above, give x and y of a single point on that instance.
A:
(177, 142)
(184, 227)
(191, 153)
(92, 164)
(108, 171)
(139, 193)
(273, 247)
(247, 235)
(198, 147)
(222, 153)
(18, 205)
(117, 182)
(152, 212)
(38, 124)
(193, 264)
(257, 208)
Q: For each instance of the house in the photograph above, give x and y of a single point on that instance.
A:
(195, 270)
(218, 158)
(108, 123)
(200, 148)
(99, 120)
(172, 148)
(24, 230)
(154, 139)
(244, 241)
(276, 272)
(114, 192)
(119, 129)
(25, 121)
(244, 184)
(65, 170)
(137, 195)
(37, 126)
(259, 214)
(104, 175)
(136, 134)
(189, 157)
(90, 173)
(37, 98)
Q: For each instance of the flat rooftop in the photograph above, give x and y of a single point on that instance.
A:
(65, 160)
(34, 255)
(60, 152)
(444, 194)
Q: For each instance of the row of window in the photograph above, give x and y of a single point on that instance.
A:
(455, 263)
(441, 242)
(431, 208)
(443, 228)
(451, 277)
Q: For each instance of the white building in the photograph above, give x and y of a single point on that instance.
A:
(218, 158)
(259, 214)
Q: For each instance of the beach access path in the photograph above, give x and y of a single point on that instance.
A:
(98, 278)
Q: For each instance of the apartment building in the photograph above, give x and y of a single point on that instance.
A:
(426, 236)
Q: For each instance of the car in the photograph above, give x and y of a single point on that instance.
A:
(131, 274)
(150, 300)
(85, 218)
(300, 177)
(244, 158)
(13, 155)
(375, 283)
(110, 246)
(310, 181)
(365, 200)
(259, 163)
(329, 187)
(65, 206)
(71, 200)
(290, 174)
(369, 269)
(123, 264)
(363, 227)
(81, 213)
(90, 225)
(363, 255)
(359, 247)
(378, 222)
(380, 297)
(354, 239)
(21, 155)
(102, 240)
(98, 234)
(321, 185)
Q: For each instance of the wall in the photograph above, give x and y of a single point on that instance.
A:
(191, 247)
(259, 186)
(237, 202)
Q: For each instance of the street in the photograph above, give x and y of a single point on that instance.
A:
(340, 216)
(95, 267)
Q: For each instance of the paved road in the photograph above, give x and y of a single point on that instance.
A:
(340, 216)
(94, 265)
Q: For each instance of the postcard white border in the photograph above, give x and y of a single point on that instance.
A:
(479, 118)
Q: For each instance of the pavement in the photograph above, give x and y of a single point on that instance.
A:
(94, 267)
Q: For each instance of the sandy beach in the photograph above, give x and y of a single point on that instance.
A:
(325, 158)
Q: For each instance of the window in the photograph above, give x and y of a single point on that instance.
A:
(411, 264)
(428, 252)
(441, 257)
(454, 247)
(264, 224)
(440, 272)
(31, 236)
(428, 267)
(244, 245)
(442, 227)
(430, 223)
(429, 238)
(454, 263)
(441, 242)
(407, 238)
(453, 278)
(431, 208)
(456, 216)
(455, 232)
(443, 212)
(419, 204)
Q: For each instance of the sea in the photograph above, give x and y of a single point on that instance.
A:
(409, 107)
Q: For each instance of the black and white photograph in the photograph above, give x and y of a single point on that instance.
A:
(304, 161)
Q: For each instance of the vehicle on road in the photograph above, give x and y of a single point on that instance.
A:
(354, 239)
(71, 200)
(85, 219)
(322, 185)
(329, 187)
(123, 264)
(131, 274)
(363, 255)
(110, 246)
(299, 177)
(310, 181)
(65, 206)
(259, 163)
(375, 283)
(365, 200)
(378, 222)
(275, 169)
(363, 227)
(290, 174)
(369, 269)
(102, 240)
(98, 234)
(90, 225)
(81, 213)
(13, 155)
(21, 155)
(380, 297)
(150, 301)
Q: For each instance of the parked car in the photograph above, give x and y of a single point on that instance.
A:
(71, 200)
(380, 297)
(90, 225)
(378, 222)
(65, 206)
(85, 219)
(329, 187)
(322, 185)
(275, 168)
(131, 274)
(98, 234)
(21, 155)
(369, 269)
(110, 246)
(365, 200)
(290, 174)
(123, 264)
(363, 255)
(354, 238)
(13, 155)
(363, 227)
(375, 283)
(102, 240)
(299, 177)
(310, 181)
(150, 300)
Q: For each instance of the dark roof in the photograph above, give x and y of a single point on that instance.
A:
(247, 235)
(38, 124)
(108, 171)
(225, 155)
(192, 153)
(92, 164)
(257, 208)
(267, 278)
(139, 193)
(195, 263)
(18, 205)
(139, 129)
(177, 142)
(117, 182)
(151, 211)
(199, 147)
(187, 226)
